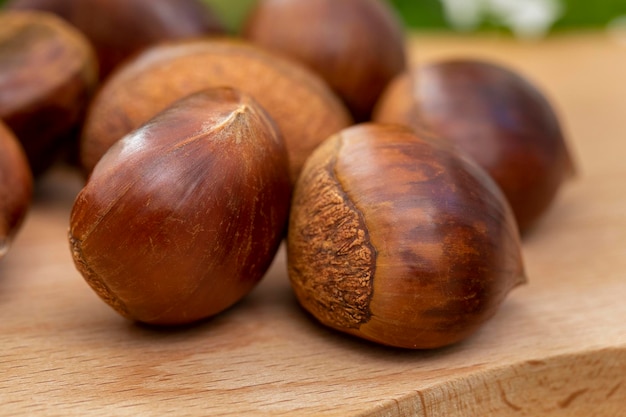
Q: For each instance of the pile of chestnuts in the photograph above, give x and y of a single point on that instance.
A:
(401, 192)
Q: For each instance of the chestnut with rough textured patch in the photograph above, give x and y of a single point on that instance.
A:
(16, 187)
(48, 73)
(120, 28)
(182, 217)
(357, 46)
(398, 239)
(494, 115)
(303, 106)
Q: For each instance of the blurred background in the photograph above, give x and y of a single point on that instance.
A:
(528, 19)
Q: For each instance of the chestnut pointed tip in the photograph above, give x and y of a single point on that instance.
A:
(572, 168)
(520, 280)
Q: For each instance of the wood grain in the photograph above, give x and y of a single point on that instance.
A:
(557, 347)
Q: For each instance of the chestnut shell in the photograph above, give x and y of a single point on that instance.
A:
(16, 187)
(398, 239)
(182, 217)
(357, 46)
(497, 117)
(119, 28)
(303, 106)
(48, 73)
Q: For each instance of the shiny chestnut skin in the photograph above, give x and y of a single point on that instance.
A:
(181, 218)
(398, 239)
(303, 106)
(494, 115)
(16, 187)
(120, 28)
(48, 73)
(357, 46)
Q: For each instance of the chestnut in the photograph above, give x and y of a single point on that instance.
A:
(303, 106)
(399, 239)
(357, 46)
(48, 74)
(182, 217)
(497, 117)
(120, 28)
(16, 187)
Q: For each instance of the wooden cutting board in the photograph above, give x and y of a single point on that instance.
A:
(557, 347)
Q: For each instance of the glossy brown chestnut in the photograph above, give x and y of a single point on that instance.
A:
(182, 217)
(494, 115)
(120, 28)
(398, 239)
(48, 72)
(356, 45)
(16, 187)
(303, 106)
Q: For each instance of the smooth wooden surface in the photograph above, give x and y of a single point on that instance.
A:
(557, 347)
